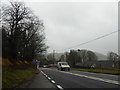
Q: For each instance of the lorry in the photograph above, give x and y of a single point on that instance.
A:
(63, 66)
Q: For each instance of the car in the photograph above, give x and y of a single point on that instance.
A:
(63, 66)
(45, 66)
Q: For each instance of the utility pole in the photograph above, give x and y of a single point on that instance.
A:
(54, 56)
(79, 51)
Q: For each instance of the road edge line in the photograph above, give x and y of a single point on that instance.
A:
(59, 87)
(52, 81)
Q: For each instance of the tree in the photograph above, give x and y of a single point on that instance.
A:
(72, 58)
(5, 44)
(115, 58)
(80, 56)
(91, 56)
(50, 58)
(112, 56)
(23, 32)
(83, 55)
(87, 55)
(62, 58)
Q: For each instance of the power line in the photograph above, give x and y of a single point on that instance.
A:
(90, 40)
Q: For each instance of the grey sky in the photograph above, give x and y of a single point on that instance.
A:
(70, 23)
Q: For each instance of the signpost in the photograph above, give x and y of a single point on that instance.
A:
(36, 62)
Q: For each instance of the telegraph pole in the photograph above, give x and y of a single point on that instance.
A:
(54, 56)
(53, 53)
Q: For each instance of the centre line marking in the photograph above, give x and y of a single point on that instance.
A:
(95, 78)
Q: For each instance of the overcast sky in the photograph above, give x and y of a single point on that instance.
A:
(68, 24)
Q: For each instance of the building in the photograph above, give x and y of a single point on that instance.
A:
(106, 64)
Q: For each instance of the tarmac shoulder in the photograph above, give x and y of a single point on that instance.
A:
(38, 81)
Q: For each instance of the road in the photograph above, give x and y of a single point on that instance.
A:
(79, 79)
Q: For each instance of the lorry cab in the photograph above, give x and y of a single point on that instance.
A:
(63, 66)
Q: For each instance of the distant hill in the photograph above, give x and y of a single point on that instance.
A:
(100, 56)
(57, 55)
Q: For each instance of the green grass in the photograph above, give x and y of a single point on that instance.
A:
(106, 71)
(10, 79)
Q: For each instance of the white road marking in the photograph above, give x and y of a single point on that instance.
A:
(59, 87)
(42, 72)
(45, 75)
(95, 78)
(49, 78)
(52, 81)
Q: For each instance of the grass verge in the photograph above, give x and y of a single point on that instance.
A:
(105, 71)
(11, 79)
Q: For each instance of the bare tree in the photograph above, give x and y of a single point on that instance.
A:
(87, 55)
(115, 58)
(72, 58)
(24, 30)
(112, 56)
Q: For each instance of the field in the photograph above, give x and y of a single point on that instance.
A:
(106, 71)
